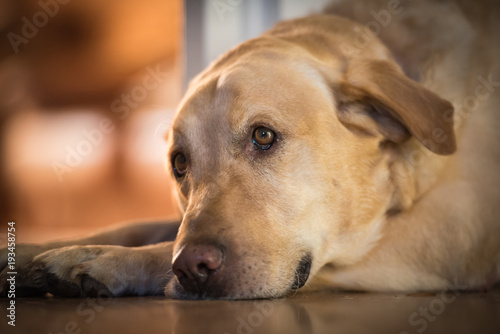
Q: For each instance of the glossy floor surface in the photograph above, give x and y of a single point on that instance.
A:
(326, 312)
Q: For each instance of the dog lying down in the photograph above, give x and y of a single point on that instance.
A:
(323, 154)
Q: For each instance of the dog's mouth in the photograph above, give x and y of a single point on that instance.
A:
(222, 285)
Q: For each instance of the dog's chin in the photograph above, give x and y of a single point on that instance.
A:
(175, 290)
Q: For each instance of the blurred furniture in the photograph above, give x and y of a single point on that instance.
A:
(61, 63)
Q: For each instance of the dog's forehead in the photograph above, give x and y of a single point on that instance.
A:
(256, 89)
(196, 125)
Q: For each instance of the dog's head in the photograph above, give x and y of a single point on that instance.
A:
(283, 153)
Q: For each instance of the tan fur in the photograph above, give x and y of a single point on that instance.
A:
(385, 168)
(378, 211)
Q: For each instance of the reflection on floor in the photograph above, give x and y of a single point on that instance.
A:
(326, 312)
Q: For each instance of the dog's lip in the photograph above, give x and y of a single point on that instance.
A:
(175, 290)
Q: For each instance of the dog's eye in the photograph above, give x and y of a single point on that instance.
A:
(263, 137)
(179, 165)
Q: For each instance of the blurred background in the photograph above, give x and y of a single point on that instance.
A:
(88, 90)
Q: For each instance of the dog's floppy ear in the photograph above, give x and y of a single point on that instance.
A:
(376, 96)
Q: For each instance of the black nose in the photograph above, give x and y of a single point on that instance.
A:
(196, 265)
(302, 272)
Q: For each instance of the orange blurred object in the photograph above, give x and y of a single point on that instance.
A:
(92, 63)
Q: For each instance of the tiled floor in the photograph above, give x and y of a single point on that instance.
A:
(326, 312)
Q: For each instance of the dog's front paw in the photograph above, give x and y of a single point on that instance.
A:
(77, 271)
(15, 266)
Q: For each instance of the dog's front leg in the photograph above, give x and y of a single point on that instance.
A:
(129, 234)
(98, 271)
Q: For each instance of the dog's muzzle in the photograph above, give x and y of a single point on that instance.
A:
(202, 272)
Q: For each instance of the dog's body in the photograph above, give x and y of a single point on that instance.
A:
(308, 152)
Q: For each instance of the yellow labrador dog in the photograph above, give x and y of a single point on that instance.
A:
(357, 151)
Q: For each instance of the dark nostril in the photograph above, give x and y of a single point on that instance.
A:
(195, 264)
(203, 270)
(302, 272)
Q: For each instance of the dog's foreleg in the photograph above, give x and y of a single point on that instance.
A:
(122, 239)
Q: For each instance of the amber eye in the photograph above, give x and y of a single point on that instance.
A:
(263, 137)
(179, 165)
